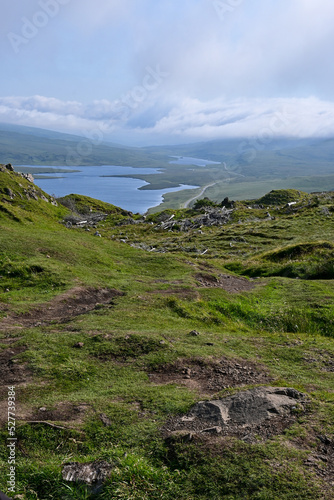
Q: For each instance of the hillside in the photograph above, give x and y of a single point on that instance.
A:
(184, 355)
(246, 168)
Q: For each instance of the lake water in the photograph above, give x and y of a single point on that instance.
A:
(120, 191)
(187, 160)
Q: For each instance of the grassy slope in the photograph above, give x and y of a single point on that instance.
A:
(283, 323)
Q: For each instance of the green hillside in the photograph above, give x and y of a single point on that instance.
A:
(113, 327)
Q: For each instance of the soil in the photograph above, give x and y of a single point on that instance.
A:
(211, 376)
(64, 412)
(175, 428)
(12, 372)
(231, 284)
(64, 307)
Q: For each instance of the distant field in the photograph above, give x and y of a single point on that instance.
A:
(248, 190)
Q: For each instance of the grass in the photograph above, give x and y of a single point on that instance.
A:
(283, 323)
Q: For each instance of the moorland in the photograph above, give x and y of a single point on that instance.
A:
(114, 327)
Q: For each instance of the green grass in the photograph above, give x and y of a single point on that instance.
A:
(283, 323)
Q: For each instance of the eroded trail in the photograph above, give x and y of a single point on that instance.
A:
(78, 300)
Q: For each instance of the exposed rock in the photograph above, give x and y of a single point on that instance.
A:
(9, 167)
(211, 217)
(93, 474)
(248, 407)
(129, 221)
(28, 177)
(194, 333)
(79, 345)
(250, 415)
(105, 420)
(9, 193)
(84, 221)
(4, 497)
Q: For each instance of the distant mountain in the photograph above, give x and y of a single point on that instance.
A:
(32, 146)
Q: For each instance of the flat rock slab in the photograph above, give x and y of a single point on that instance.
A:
(252, 415)
(248, 407)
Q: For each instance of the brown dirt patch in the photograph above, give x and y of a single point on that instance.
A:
(322, 462)
(64, 412)
(12, 372)
(77, 301)
(211, 376)
(176, 428)
(231, 284)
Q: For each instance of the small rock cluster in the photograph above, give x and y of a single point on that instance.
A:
(211, 217)
(85, 221)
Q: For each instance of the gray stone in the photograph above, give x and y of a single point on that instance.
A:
(248, 407)
(213, 430)
(9, 193)
(28, 177)
(105, 420)
(94, 473)
(194, 333)
(9, 167)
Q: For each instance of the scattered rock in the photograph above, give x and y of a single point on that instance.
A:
(9, 193)
(93, 474)
(211, 217)
(210, 376)
(105, 420)
(194, 333)
(28, 177)
(231, 284)
(79, 345)
(213, 430)
(85, 221)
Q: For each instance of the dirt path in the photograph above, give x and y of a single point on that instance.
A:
(78, 300)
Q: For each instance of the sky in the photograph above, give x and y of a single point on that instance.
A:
(149, 72)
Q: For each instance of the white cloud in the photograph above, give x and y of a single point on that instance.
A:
(188, 120)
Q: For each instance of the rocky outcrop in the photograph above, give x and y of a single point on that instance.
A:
(211, 217)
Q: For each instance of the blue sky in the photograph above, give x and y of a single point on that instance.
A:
(169, 71)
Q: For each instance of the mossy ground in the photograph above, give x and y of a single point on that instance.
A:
(284, 323)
